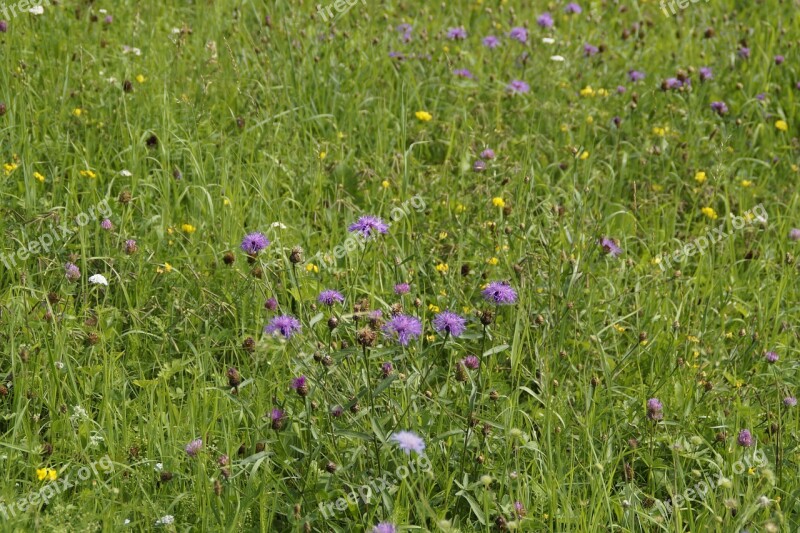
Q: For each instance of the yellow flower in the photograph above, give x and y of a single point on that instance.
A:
(692, 338)
(564, 128)
(729, 335)
(782, 125)
(460, 208)
(700, 177)
(167, 268)
(590, 119)
(657, 188)
(49, 473)
(423, 116)
(442, 235)
(498, 202)
(10, 167)
(747, 183)
(433, 308)
(188, 228)
(442, 267)
(710, 213)
(795, 168)
(446, 49)
(88, 174)
(140, 78)
(311, 267)
(38, 177)
(339, 135)
(77, 111)
(226, 202)
(659, 131)
(619, 328)
(587, 91)
(584, 155)
(602, 92)
(385, 184)
(323, 155)
(492, 261)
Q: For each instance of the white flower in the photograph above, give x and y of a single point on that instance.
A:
(103, 11)
(166, 519)
(126, 522)
(125, 173)
(279, 225)
(98, 279)
(36, 10)
(548, 40)
(159, 466)
(131, 50)
(59, 365)
(556, 58)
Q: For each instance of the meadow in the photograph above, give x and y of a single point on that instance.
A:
(377, 266)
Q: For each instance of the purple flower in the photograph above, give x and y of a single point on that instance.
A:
(405, 29)
(672, 83)
(337, 411)
(790, 401)
(449, 322)
(387, 368)
(719, 107)
(271, 304)
(463, 73)
(193, 447)
(3, 26)
(617, 121)
(488, 154)
(471, 362)
(518, 87)
(706, 74)
(654, 409)
(106, 224)
(254, 243)
(409, 442)
(519, 34)
(610, 247)
(500, 293)
(621, 89)
(761, 97)
(72, 272)
(779, 59)
(635, 75)
(299, 383)
(285, 325)
(368, 226)
(744, 52)
(109, 19)
(384, 527)
(771, 357)
(573, 8)
(589, 50)
(330, 297)
(457, 34)
(404, 327)
(401, 288)
(130, 247)
(276, 417)
(745, 438)
(795, 234)
(545, 20)
(479, 165)
(491, 41)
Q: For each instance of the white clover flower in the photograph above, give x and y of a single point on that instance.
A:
(279, 225)
(98, 279)
(164, 520)
(125, 173)
(159, 467)
(36, 10)
(557, 58)
(548, 40)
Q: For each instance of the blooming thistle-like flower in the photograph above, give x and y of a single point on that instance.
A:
(384, 527)
(387, 368)
(490, 41)
(463, 73)
(706, 74)
(72, 272)
(610, 247)
(779, 59)
(194, 447)
(573, 9)
(794, 234)
(368, 226)
(671, 83)
(790, 401)
(500, 293)
(518, 87)
(271, 304)
(719, 107)
(3, 26)
(330, 297)
(457, 34)
(471, 361)
(449, 322)
(519, 34)
(745, 438)
(479, 165)
(130, 247)
(409, 442)
(654, 409)
(635, 75)
(589, 50)
(107, 225)
(744, 52)
(488, 153)
(402, 288)
(286, 325)
(545, 20)
(771, 357)
(300, 385)
(254, 243)
(404, 328)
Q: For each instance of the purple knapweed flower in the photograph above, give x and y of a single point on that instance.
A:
(490, 41)
(635, 75)
(384, 527)
(463, 73)
(130, 247)
(405, 29)
(518, 87)
(3, 26)
(449, 322)
(706, 74)
(488, 153)
(794, 234)
(409, 442)
(779, 59)
(745, 438)
(194, 447)
(254, 243)
(271, 304)
(621, 89)
(761, 97)
(107, 225)
(654, 409)
(771, 357)
(589, 50)
(500, 293)
(573, 9)
(744, 52)
(337, 411)
(672, 83)
(276, 417)
(286, 325)
(457, 34)
(330, 297)
(72, 272)
(610, 247)
(368, 226)
(479, 165)
(402, 288)
(719, 107)
(471, 361)
(404, 328)
(387, 368)
(299, 383)
(790, 401)
(545, 20)
(519, 33)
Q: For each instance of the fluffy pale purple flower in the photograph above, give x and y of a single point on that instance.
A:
(491, 41)
(463, 73)
(635, 75)
(488, 154)
(254, 243)
(330, 297)
(299, 383)
(404, 328)
(672, 83)
(706, 74)
(107, 225)
(610, 247)
(654, 409)
(573, 9)
(589, 50)
(271, 304)
(779, 59)
(761, 97)
(794, 234)
(519, 34)
(387, 368)
(457, 34)
(3, 26)
(409, 442)
(744, 52)
(790, 401)
(472, 362)
(500, 293)
(449, 322)
(771, 357)
(72, 272)
(194, 447)
(719, 107)
(402, 288)
(384, 527)
(545, 20)
(745, 438)
(286, 325)
(368, 226)
(518, 87)
(337, 411)
(479, 165)
(621, 89)
(405, 29)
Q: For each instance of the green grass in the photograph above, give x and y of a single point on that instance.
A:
(295, 128)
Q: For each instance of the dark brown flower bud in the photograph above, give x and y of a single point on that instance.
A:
(633, 443)
(124, 197)
(333, 322)
(494, 395)
(249, 345)
(257, 273)
(133, 452)
(327, 360)
(539, 320)
(355, 408)
(228, 258)
(417, 302)
(260, 447)
(242, 450)
(127, 86)
(234, 378)
(53, 298)
(461, 373)
(628, 472)
(595, 381)
(709, 33)
(92, 338)
(331, 467)
(487, 428)
(396, 309)
(366, 337)
(2, 109)
(47, 449)
(297, 255)
(165, 476)
(130, 247)
(722, 436)
(487, 317)
(642, 336)
(501, 523)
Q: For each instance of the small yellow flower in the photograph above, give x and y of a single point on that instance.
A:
(729, 335)
(170, 231)
(660, 132)
(311, 267)
(619, 328)
(498, 202)
(39, 177)
(442, 235)
(10, 167)
(692, 339)
(493, 261)
(751, 470)
(460, 208)
(443, 293)
(587, 91)
(657, 188)
(385, 184)
(226, 202)
(782, 125)
(795, 168)
(430, 338)
(46, 473)
(709, 212)
(423, 116)
(88, 174)
(584, 155)
(339, 135)
(188, 228)
(644, 342)
(564, 128)
(655, 261)
(77, 111)
(700, 177)
(446, 49)
(323, 155)
(747, 183)
(602, 92)
(433, 308)
(590, 119)
(466, 309)
(139, 78)
(166, 269)
(442, 267)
